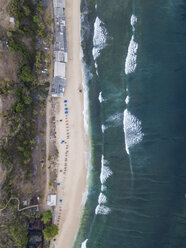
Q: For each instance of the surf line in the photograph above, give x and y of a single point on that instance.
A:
(130, 67)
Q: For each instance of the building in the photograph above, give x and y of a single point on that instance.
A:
(58, 86)
(51, 200)
(59, 69)
(59, 4)
(60, 49)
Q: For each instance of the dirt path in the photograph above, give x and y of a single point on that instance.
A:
(18, 204)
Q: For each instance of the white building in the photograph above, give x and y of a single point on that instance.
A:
(59, 69)
(51, 201)
(59, 4)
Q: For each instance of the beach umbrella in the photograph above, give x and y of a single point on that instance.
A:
(66, 112)
(58, 184)
(60, 200)
(65, 100)
(66, 108)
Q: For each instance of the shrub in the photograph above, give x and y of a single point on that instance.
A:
(50, 232)
(47, 216)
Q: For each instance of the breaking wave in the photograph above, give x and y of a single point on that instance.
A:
(101, 209)
(105, 171)
(102, 199)
(100, 97)
(132, 130)
(127, 100)
(130, 62)
(84, 244)
(99, 38)
(103, 188)
(133, 21)
(103, 128)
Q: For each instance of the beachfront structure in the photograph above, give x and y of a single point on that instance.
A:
(51, 200)
(59, 4)
(60, 49)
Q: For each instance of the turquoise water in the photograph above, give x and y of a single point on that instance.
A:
(136, 71)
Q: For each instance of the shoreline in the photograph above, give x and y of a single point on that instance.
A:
(72, 157)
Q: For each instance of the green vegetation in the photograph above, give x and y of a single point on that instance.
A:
(13, 229)
(28, 98)
(50, 232)
(19, 235)
(21, 117)
(47, 216)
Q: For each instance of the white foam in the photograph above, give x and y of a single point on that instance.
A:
(105, 171)
(132, 130)
(100, 97)
(133, 21)
(103, 128)
(84, 244)
(99, 38)
(127, 100)
(115, 120)
(130, 62)
(103, 188)
(87, 75)
(102, 199)
(101, 209)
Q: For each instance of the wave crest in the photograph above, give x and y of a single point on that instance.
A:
(99, 38)
(130, 62)
(132, 130)
(84, 244)
(101, 209)
(105, 171)
(100, 98)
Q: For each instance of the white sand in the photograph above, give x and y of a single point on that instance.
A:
(73, 183)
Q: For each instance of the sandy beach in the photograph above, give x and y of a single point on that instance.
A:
(70, 128)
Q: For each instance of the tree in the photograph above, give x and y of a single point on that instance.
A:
(47, 216)
(25, 74)
(36, 19)
(19, 107)
(50, 232)
(27, 100)
(26, 10)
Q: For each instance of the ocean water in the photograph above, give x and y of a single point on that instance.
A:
(135, 73)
